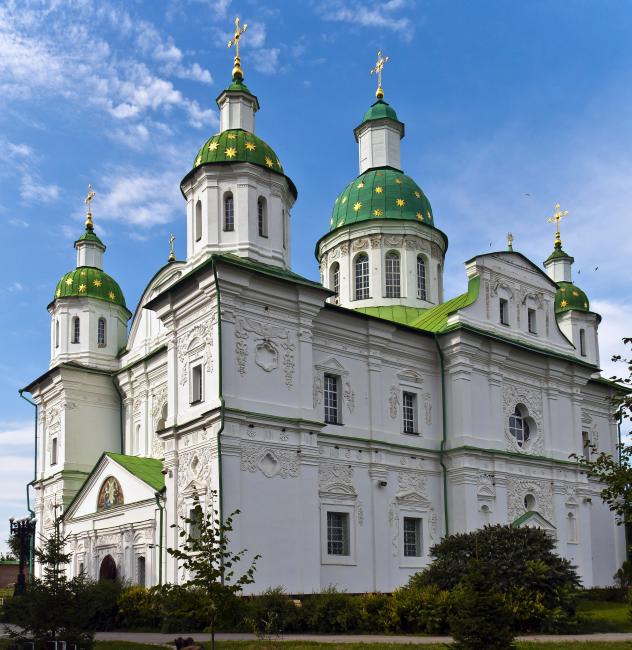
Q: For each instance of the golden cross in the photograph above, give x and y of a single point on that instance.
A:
(378, 71)
(172, 255)
(557, 217)
(237, 35)
(509, 241)
(88, 202)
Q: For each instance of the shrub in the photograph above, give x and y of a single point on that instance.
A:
(418, 609)
(376, 612)
(101, 598)
(332, 612)
(273, 613)
(139, 608)
(525, 568)
(479, 618)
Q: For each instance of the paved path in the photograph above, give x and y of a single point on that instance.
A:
(151, 637)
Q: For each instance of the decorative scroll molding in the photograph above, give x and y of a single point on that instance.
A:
(360, 244)
(531, 398)
(270, 461)
(196, 341)
(336, 479)
(393, 401)
(518, 489)
(428, 407)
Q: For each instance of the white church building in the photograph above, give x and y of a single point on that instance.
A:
(354, 421)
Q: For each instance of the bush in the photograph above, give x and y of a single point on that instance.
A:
(535, 582)
(333, 612)
(139, 608)
(101, 598)
(604, 594)
(479, 618)
(419, 609)
(273, 613)
(376, 612)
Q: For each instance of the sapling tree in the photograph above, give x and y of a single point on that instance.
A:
(205, 554)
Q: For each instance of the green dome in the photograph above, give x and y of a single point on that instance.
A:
(379, 111)
(88, 281)
(89, 235)
(569, 297)
(237, 145)
(382, 193)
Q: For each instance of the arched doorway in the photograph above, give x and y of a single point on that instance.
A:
(108, 568)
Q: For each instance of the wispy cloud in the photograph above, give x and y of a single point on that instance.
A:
(32, 190)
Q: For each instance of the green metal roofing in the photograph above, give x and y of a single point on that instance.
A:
(529, 515)
(381, 193)
(379, 111)
(89, 235)
(568, 297)
(90, 282)
(435, 319)
(559, 254)
(396, 313)
(238, 145)
(148, 470)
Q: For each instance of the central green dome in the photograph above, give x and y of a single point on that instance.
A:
(380, 110)
(381, 193)
(88, 281)
(569, 296)
(238, 145)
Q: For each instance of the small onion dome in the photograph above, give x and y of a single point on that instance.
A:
(569, 297)
(382, 193)
(89, 235)
(380, 110)
(88, 281)
(559, 254)
(236, 146)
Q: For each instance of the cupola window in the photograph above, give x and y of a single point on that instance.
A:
(101, 333)
(284, 225)
(198, 220)
(392, 275)
(262, 217)
(76, 329)
(229, 212)
(334, 278)
(57, 333)
(421, 278)
(362, 277)
(582, 342)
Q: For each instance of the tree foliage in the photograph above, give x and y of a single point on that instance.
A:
(206, 556)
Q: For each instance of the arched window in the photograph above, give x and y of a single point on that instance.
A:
(571, 529)
(76, 329)
(362, 277)
(198, 220)
(140, 571)
(582, 342)
(229, 212)
(334, 278)
(421, 278)
(518, 425)
(110, 494)
(136, 441)
(101, 333)
(530, 502)
(162, 422)
(262, 217)
(391, 266)
(56, 333)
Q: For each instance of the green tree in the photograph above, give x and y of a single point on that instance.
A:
(53, 608)
(206, 555)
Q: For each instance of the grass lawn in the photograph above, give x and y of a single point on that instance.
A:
(605, 616)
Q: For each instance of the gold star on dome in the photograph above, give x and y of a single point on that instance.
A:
(251, 146)
(377, 212)
(111, 295)
(563, 289)
(58, 293)
(360, 185)
(585, 305)
(231, 136)
(82, 273)
(379, 190)
(269, 162)
(357, 206)
(69, 281)
(344, 199)
(230, 152)
(575, 294)
(418, 195)
(96, 283)
(213, 146)
(400, 203)
(379, 174)
(563, 304)
(198, 160)
(429, 216)
(420, 216)
(398, 181)
(82, 288)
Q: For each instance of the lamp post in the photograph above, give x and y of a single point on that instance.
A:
(24, 530)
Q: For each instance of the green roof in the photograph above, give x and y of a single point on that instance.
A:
(529, 515)
(569, 297)
(88, 281)
(435, 319)
(148, 470)
(379, 111)
(396, 313)
(89, 235)
(559, 254)
(381, 193)
(238, 145)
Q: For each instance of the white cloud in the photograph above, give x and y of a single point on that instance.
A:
(32, 190)
(267, 60)
(198, 117)
(20, 223)
(616, 324)
(377, 14)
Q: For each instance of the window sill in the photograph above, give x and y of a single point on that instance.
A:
(197, 401)
(505, 324)
(338, 559)
(103, 345)
(411, 433)
(336, 424)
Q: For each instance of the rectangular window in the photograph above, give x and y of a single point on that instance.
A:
(504, 312)
(229, 213)
(337, 533)
(586, 444)
(408, 412)
(196, 384)
(392, 284)
(101, 333)
(195, 516)
(412, 537)
(80, 568)
(582, 342)
(332, 399)
(362, 277)
(53, 451)
(532, 323)
(76, 329)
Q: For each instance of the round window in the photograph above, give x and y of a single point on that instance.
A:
(529, 502)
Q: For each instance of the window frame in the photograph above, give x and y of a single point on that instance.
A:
(76, 330)
(413, 408)
(582, 342)
(57, 333)
(342, 506)
(262, 217)
(338, 410)
(102, 341)
(197, 217)
(532, 320)
(334, 279)
(228, 220)
(503, 306)
(361, 281)
(422, 513)
(54, 451)
(392, 275)
(418, 535)
(196, 368)
(520, 416)
(422, 289)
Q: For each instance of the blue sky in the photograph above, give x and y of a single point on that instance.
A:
(509, 108)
